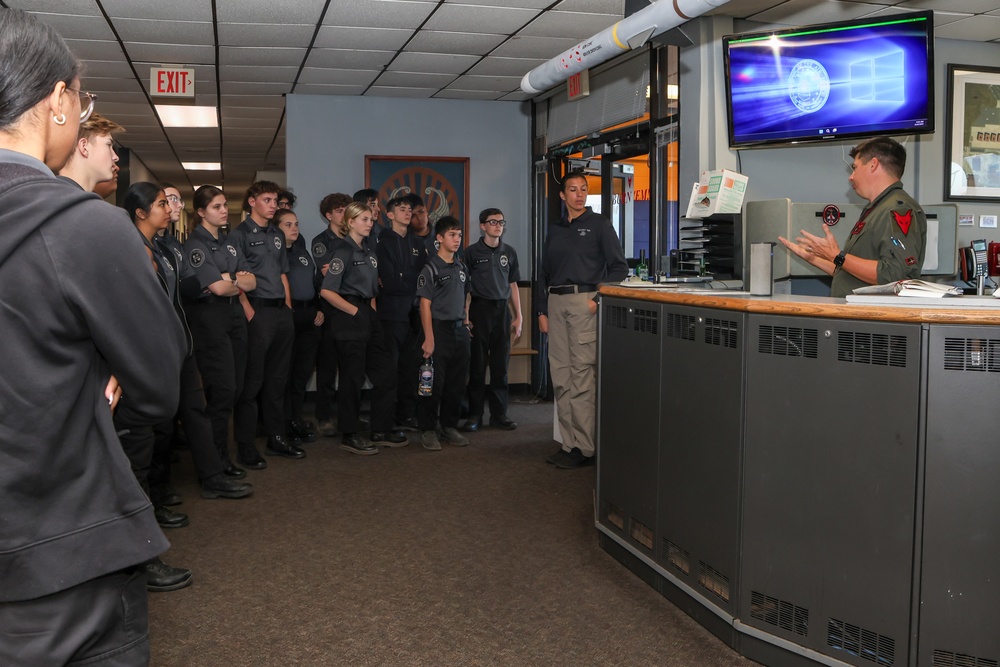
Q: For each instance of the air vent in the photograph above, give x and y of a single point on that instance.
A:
(788, 341)
(615, 517)
(779, 613)
(977, 355)
(616, 316)
(676, 556)
(680, 326)
(713, 580)
(646, 321)
(641, 535)
(950, 659)
(873, 349)
(865, 644)
(721, 332)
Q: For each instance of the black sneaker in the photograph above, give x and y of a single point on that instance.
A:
(575, 459)
(504, 422)
(161, 578)
(220, 486)
(407, 424)
(249, 457)
(279, 445)
(301, 430)
(355, 444)
(390, 438)
(167, 518)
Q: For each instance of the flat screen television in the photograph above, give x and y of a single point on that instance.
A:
(831, 81)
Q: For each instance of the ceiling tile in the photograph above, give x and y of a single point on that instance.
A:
(164, 32)
(432, 62)
(387, 91)
(340, 37)
(516, 96)
(167, 54)
(458, 18)
(970, 6)
(320, 89)
(101, 86)
(73, 7)
(616, 7)
(504, 84)
(274, 101)
(534, 47)
(521, 4)
(132, 97)
(377, 13)
(251, 55)
(89, 49)
(250, 112)
(106, 68)
(342, 77)
(569, 24)
(803, 12)
(243, 88)
(261, 34)
(454, 94)
(261, 123)
(349, 59)
(414, 80)
(491, 66)
(269, 11)
(981, 28)
(246, 73)
(431, 41)
(175, 10)
(78, 27)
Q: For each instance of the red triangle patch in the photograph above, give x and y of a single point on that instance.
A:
(904, 220)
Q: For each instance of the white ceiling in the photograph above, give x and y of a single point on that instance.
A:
(248, 54)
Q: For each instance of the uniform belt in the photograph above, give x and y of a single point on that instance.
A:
(493, 301)
(572, 289)
(214, 298)
(296, 303)
(450, 324)
(266, 303)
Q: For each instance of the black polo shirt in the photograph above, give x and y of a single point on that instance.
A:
(353, 270)
(212, 259)
(400, 259)
(492, 270)
(264, 249)
(446, 286)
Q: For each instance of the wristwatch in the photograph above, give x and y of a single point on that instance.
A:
(839, 259)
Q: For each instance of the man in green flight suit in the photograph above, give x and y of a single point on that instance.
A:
(887, 243)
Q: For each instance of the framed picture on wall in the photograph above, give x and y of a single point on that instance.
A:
(972, 143)
(442, 182)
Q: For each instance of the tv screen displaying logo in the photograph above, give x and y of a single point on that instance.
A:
(831, 81)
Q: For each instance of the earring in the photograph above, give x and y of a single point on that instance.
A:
(57, 121)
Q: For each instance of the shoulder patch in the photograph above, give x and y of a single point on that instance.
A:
(336, 266)
(197, 257)
(232, 250)
(904, 220)
(277, 243)
(421, 281)
(304, 261)
(504, 261)
(371, 258)
(319, 250)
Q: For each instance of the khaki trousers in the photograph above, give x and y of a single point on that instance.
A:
(573, 364)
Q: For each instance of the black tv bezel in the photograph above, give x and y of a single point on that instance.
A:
(927, 15)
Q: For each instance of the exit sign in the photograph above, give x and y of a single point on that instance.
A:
(578, 85)
(171, 82)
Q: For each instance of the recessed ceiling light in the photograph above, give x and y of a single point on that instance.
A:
(202, 166)
(186, 116)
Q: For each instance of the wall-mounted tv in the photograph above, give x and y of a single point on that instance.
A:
(831, 81)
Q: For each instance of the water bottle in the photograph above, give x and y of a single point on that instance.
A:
(426, 385)
(642, 270)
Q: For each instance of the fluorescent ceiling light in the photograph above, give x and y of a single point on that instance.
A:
(172, 115)
(202, 166)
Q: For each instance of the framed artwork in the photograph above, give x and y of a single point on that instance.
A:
(972, 144)
(442, 182)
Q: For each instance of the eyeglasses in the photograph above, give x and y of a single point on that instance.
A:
(173, 199)
(495, 223)
(85, 99)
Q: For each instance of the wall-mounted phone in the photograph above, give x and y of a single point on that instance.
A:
(993, 258)
(974, 261)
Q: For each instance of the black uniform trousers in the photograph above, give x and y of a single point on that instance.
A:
(403, 339)
(197, 426)
(103, 622)
(304, 347)
(220, 348)
(490, 349)
(451, 370)
(363, 350)
(269, 354)
(326, 366)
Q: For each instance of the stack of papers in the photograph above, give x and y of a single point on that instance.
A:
(917, 288)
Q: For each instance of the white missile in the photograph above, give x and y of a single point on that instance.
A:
(625, 35)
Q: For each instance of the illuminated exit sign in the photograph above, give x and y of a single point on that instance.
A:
(171, 82)
(578, 85)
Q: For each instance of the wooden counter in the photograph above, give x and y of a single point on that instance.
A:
(807, 306)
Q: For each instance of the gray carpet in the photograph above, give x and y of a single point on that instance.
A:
(483, 555)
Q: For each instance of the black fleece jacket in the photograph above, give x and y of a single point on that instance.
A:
(79, 302)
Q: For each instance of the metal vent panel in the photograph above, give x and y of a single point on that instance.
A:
(646, 321)
(615, 517)
(641, 534)
(976, 355)
(876, 349)
(616, 317)
(677, 557)
(723, 333)
(779, 613)
(713, 581)
(681, 326)
(788, 341)
(865, 644)
(952, 659)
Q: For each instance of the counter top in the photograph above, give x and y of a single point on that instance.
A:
(805, 306)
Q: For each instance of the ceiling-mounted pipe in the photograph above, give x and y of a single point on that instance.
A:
(627, 34)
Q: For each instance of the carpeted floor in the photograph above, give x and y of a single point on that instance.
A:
(483, 555)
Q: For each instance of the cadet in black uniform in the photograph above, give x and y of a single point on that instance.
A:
(303, 282)
(493, 270)
(350, 286)
(442, 286)
(332, 209)
(401, 255)
(218, 325)
(269, 331)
